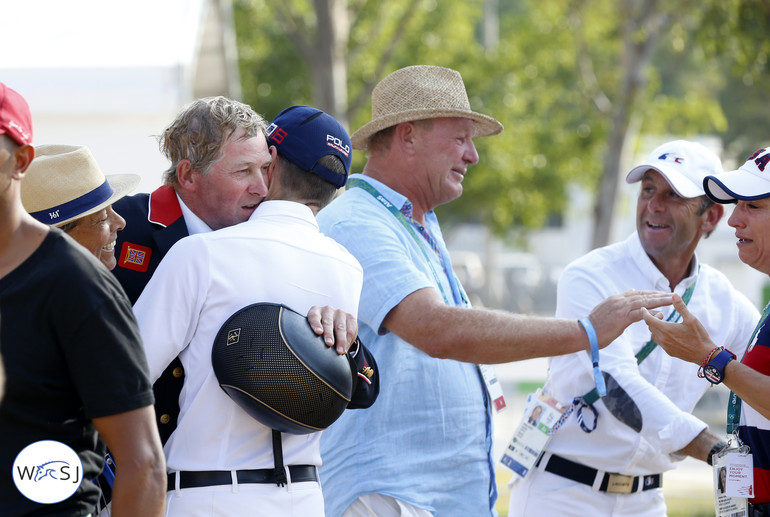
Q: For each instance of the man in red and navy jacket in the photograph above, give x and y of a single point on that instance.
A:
(154, 224)
(217, 178)
(218, 155)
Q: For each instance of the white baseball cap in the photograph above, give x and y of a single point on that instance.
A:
(684, 164)
(751, 181)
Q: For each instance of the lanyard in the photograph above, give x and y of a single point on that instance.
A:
(493, 393)
(458, 295)
(734, 402)
(593, 395)
(587, 400)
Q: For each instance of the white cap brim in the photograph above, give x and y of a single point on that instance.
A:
(731, 186)
(680, 183)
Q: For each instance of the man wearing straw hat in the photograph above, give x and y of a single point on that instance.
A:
(66, 324)
(425, 447)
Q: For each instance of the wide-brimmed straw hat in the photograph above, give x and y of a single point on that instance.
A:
(421, 92)
(64, 183)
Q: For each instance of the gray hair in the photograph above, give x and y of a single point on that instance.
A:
(380, 141)
(705, 204)
(200, 131)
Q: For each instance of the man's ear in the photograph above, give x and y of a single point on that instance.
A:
(714, 214)
(405, 135)
(23, 156)
(185, 175)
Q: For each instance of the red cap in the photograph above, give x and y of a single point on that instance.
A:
(15, 118)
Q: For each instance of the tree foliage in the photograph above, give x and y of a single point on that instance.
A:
(575, 83)
(734, 33)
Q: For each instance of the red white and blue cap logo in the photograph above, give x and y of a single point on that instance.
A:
(684, 164)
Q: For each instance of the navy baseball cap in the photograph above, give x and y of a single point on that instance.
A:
(304, 135)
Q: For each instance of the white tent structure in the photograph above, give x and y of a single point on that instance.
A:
(111, 75)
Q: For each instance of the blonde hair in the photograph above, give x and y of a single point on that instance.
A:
(200, 131)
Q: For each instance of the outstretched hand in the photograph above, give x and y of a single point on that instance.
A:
(611, 317)
(337, 326)
(687, 340)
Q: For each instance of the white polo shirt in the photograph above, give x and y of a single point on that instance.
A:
(277, 256)
(664, 389)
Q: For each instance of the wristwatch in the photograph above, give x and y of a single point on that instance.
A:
(714, 371)
(717, 448)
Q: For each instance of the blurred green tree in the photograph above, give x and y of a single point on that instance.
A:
(575, 83)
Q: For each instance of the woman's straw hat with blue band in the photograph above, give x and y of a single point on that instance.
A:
(64, 183)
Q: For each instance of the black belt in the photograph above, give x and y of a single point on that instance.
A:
(196, 479)
(611, 483)
(759, 510)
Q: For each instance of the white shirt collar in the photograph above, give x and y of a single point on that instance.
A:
(194, 223)
(646, 264)
(283, 208)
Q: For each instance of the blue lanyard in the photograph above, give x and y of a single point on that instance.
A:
(458, 294)
(734, 402)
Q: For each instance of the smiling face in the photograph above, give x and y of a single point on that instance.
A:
(446, 150)
(97, 233)
(235, 184)
(751, 220)
(668, 224)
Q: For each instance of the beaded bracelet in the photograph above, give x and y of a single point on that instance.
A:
(708, 358)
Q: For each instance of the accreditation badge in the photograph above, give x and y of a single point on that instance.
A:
(493, 386)
(541, 415)
(733, 481)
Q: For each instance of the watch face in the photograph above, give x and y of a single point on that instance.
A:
(712, 374)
